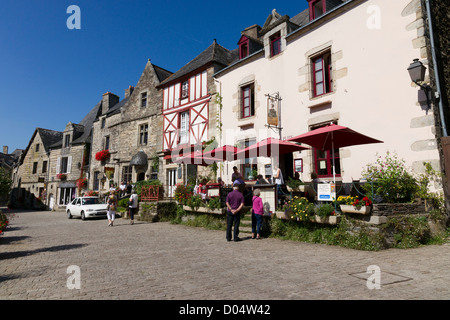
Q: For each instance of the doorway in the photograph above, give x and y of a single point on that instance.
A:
(171, 182)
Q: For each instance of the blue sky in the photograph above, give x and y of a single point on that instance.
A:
(50, 75)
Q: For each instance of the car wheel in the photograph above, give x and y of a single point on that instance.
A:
(69, 215)
(83, 217)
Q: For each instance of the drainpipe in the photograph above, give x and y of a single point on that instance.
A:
(436, 72)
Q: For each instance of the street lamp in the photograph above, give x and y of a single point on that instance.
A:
(417, 74)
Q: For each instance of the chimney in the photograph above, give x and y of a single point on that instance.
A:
(252, 31)
(5, 149)
(129, 91)
(109, 100)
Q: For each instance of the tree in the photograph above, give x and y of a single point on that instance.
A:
(5, 182)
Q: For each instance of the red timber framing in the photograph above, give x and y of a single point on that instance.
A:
(178, 107)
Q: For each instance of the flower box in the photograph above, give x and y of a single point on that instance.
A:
(327, 220)
(61, 176)
(102, 155)
(352, 209)
(206, 210)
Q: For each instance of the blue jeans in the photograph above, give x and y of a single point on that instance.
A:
(257, 220)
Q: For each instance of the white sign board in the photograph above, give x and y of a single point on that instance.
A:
(326, 191)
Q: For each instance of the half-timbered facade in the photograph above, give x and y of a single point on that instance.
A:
(189, 110)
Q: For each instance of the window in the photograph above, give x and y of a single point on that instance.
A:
(35, 164)
(96, 180)
(275, 44)
(323, 161)
(321, 74)
(64, 165)
(37, 147)
(248, 101)
(44, 166)
(243, 50)
(67, 141)
(243, 47)
(185, 89)
(127, 173)
(106, 143)
(143, 134)
(316, 9)
(143, 99)
(184, 127)
(103, 122)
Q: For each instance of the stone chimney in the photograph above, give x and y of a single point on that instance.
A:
(5, 149)
(109, 100)
(252, 31)
(129, 91)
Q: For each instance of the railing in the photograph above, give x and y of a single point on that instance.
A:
(150, 193)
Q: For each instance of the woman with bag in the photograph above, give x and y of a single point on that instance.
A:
(112, 207)
(257, 214)
(133, 204)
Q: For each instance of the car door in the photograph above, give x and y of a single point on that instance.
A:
(76, 207)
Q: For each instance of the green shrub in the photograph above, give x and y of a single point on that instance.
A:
(390, 180)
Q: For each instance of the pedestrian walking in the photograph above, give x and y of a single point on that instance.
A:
(257, 214)
(112, 207)
(133, 204)
(235, 202)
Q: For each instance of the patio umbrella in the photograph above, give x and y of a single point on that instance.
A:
(270, 147)
(196, 157)
(224, 153)
(332, 137)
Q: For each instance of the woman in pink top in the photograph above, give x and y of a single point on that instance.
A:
(257, 214)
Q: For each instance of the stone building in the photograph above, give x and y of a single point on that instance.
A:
(190, 111)
(30, 184)
(131, 130)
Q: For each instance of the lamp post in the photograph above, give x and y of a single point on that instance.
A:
(417, 74)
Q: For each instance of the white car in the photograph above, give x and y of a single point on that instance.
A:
(86, 207)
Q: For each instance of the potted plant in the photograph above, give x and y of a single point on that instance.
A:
(253, 174)
(354, 205)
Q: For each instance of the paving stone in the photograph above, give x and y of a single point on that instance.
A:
(163, 261)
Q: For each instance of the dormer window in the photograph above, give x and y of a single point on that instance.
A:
(243, 47)
(275, 44)
(316, 9)
(143, 99)
(67, 141)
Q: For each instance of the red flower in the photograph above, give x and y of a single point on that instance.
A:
(102, 155)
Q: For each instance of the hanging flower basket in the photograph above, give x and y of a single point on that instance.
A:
(102, 155)
(61, 176)
(82, 183)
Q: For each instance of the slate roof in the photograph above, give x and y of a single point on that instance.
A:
(161, 73)
(82, 130)
(214, 53)
(48, 137)
(302, 18)
(116, 108)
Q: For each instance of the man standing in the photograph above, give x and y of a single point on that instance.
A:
(235, 202)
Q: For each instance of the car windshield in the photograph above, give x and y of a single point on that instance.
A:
(90, 201)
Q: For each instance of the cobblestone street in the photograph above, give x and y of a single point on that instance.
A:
(161, 261)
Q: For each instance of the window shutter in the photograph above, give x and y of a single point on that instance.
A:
(69, 163)
(58, 166)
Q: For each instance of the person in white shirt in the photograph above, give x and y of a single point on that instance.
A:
(133, 204)
(278, 179)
